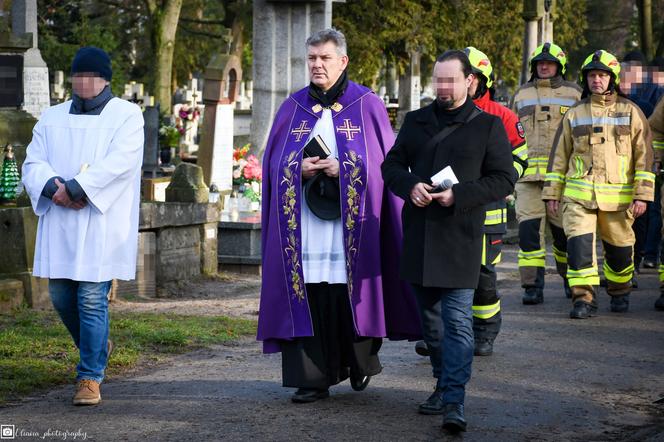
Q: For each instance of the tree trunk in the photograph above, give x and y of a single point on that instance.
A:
(164, 27)
(645, 24)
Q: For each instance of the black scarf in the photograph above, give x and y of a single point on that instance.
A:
(93, 106)
(327, 99)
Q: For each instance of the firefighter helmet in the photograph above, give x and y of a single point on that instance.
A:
(549, 52)
(480, 63)
(603, 61)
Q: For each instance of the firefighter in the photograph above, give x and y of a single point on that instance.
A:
(599, 176)
(657, 125)
(541, 104)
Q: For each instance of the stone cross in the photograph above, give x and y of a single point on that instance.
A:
(58, 86)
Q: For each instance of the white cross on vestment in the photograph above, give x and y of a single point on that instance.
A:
(301, 131)
(349, 130)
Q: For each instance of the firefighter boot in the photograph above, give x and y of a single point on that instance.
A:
(582, 310)
(659, 304)
(584, 301)
(568, 290)
(485, 332)
(533, 295)
(620, 304)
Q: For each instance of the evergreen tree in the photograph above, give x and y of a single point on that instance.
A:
(9, 177)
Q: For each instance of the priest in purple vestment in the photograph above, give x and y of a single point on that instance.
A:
(331, 232)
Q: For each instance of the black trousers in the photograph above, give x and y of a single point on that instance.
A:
(334, 352)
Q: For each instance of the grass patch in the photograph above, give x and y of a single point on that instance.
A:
(37, 352)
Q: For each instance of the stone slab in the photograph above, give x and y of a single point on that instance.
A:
(11, 294)
(156, 215)
(239, 242)
(35, 290)
(243, 269)
(243, 221)
(178, 253)
(18, 232)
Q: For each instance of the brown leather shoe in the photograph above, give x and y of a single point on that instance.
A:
(87, 392)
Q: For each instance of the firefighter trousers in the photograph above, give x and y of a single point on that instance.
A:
(532, 216)
(486, 302)
(617, 236)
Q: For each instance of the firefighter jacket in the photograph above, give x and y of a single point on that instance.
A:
(657, 125)
(541, 105)
(496, 212)
(602, 156)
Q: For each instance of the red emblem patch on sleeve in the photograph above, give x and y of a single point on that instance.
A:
(519, 130)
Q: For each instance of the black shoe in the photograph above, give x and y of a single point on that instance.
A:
(649, 264)
(659, 304)
(533, 295)
(306, 395)
(421, 348)
(582, 310)
(620, 304)
(635, 283)
(454, 420)
(434, 404)
(359, 383)
(483, 347)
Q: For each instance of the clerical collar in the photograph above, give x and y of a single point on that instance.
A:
(92, 106)
(329, 97)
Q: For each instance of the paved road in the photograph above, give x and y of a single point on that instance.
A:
(551, 378)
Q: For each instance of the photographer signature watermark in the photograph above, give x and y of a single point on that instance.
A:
(8, 432)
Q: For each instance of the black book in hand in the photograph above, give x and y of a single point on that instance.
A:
(316, 147)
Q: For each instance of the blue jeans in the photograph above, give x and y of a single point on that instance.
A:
(447, 322)
(83, 308)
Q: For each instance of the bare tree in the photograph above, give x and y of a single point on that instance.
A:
(645, 26)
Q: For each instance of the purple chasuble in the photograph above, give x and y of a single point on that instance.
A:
(382, 305)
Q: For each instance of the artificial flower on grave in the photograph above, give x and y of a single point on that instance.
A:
(169, 136)
(247, 173)
(185, 116)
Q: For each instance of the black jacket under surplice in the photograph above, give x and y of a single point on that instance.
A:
(442, 246)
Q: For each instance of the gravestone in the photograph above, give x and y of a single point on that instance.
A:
(58, 87)
(215, 155)
(11, 81)
(244, 99)
(15, 124)
(135, 93)
(36, 95)
(187, 185)
(191, 103)
(280, 63)
(151, 144)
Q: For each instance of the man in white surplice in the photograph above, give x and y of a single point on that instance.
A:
(82, 173)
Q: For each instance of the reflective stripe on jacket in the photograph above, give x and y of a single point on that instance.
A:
(541, 105)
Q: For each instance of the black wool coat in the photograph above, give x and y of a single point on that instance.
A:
(442, 246)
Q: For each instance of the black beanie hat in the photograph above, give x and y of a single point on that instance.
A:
(91, 59)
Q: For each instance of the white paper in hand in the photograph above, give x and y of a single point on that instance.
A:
(446, 174)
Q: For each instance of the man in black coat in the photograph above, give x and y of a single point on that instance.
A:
(442, 242)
